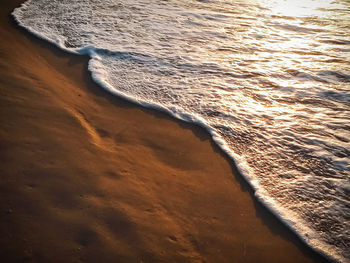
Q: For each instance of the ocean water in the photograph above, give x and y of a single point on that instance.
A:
(269, 79)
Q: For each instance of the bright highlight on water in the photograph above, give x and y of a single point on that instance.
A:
(270, 80)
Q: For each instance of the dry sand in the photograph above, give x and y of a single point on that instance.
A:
(87, 177)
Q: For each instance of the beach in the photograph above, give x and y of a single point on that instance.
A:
(88, 177)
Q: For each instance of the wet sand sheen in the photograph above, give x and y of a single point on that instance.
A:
(89, 177)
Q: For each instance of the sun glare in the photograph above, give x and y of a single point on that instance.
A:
(299, 8)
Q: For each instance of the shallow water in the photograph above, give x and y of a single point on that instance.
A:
(269, 79)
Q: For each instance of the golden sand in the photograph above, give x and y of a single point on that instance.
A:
(87, 177)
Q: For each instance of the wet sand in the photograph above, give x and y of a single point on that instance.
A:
(88, 177)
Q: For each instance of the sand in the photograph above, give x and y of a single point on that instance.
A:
(87, 177)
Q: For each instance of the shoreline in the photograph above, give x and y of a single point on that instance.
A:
(96, 129)
(276, 210)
